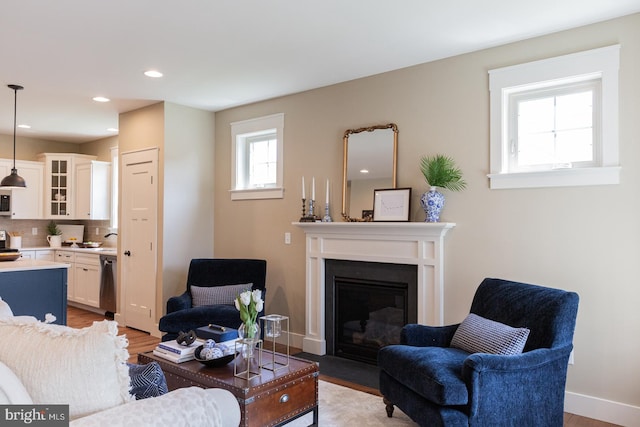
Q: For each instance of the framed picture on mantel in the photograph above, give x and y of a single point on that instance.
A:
(391, 204)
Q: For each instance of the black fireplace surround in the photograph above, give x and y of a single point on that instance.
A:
(367, 304)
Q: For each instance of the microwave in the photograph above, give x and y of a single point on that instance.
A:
(5, 204)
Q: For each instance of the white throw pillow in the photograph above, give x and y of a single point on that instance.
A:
(85, 368)
(12, 391)
(5, 310)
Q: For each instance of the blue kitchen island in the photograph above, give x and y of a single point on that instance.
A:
(35, 288)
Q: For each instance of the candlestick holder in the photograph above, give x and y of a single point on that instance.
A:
(309, 217)
(304, 206)
(327, 216)
(276, 326)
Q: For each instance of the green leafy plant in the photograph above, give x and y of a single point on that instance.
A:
(53, 229)
(441, 171)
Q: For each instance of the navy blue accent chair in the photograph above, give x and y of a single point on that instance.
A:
(437, 385)
(207, 272)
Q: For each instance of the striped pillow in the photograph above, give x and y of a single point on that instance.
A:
(217, 294)
(479, 335)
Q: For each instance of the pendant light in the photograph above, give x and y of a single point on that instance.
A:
(14, 180)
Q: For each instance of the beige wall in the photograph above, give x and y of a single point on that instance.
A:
(582, 239)
(28, 148)
(185, 138)
(188, 193)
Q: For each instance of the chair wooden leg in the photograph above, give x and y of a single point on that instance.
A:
(389, 407)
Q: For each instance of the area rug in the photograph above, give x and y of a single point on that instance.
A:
(344, 407)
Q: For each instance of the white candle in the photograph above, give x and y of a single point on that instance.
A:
(313, 188)
(303, 196)
(327, 201)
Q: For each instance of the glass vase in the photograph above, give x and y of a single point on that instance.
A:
(250, 330)
(250, 333)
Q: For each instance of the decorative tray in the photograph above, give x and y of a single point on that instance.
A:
(213, 363)
(9, 256)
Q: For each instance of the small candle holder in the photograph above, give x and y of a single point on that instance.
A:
(327, 216)
(274, 326)
(245, 365)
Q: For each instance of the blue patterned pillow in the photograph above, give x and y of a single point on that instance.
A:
(147, 380)
(479, 335)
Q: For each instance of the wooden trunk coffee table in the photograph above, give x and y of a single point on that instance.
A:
(271, 399)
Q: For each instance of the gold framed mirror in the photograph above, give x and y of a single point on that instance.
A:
(370, 157)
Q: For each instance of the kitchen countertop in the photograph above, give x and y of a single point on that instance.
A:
(30, 264)
(98, 251)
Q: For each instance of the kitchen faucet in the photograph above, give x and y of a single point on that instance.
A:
(110, 234)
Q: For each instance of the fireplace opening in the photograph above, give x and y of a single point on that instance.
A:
(367, 305)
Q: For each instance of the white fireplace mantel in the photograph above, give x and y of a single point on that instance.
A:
(415, 243)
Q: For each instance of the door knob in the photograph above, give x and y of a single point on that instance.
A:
(127, 253)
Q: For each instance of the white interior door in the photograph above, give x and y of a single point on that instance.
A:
(139, 237)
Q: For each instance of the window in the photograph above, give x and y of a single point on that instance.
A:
(257, 158)
(555, 122)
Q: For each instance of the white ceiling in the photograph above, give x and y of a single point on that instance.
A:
(217, 54)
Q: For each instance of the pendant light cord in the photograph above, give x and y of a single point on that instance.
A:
(15, 120)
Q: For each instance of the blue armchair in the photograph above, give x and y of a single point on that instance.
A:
(182, 315)
(439, 385)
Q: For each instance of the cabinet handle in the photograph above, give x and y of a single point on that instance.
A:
(127, 253)
(284, 398)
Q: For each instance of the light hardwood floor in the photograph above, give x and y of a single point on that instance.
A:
(140, 342)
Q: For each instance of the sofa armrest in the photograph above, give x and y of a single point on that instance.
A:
(427, 336)
(196, 406)
(180, 302)
(500, 384)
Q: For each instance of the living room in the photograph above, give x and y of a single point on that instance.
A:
(559, 237)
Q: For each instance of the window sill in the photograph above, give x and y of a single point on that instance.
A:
(257, 193)
(556, 178)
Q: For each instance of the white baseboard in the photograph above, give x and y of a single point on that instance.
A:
(601, 409)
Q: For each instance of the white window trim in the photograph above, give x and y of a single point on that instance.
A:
(252, 126)
(603, 62)
(115, 167)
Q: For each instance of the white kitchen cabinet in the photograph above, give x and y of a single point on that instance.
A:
(43, 254)
(83, 280)
(59, 172)
(68, 257)
(27, 254)
(87, 279)
(93, 190)
(26, 203)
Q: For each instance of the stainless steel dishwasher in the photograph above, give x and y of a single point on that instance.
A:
(108, 283)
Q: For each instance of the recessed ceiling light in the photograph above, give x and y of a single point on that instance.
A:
(112, 129)
(101, 99)
(364, 170)
(24, 126)
(153, 73)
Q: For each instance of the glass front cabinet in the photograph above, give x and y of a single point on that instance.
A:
(59, 179)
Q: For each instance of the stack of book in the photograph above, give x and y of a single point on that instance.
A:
(175, 352)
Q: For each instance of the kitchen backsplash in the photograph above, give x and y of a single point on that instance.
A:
(25, 226)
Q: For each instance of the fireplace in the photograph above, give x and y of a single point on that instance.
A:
(418, 244)
(367, 304)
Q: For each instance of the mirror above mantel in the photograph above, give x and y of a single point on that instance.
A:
(369, 163)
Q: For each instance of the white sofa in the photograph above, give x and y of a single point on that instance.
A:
(86, 368)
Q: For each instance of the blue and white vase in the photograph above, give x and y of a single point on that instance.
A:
(432, 202)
